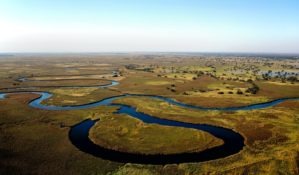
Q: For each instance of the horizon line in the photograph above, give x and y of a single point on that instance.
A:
(152, 52)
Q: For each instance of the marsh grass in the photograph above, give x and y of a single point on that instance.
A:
(124, 133)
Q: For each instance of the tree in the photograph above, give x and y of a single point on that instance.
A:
(239, 92)
(292, 79)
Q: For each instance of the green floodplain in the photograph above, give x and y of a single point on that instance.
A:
(36, 141)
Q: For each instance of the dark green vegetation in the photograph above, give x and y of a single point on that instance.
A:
(34, 141)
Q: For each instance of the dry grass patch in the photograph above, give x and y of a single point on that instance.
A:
(75, 92)
(155, 83)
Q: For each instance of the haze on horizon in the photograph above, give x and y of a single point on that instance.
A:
(156, 25)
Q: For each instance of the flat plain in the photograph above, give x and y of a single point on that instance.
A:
(36, 141)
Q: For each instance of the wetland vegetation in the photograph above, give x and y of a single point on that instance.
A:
(36, 141)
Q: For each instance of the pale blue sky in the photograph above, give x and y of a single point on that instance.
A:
(149, 25)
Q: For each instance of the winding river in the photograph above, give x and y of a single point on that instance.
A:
(79, 133)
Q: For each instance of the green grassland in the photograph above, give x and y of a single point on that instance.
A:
(123, 133)
(35, 141)
(77, 96)
(271, 134)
